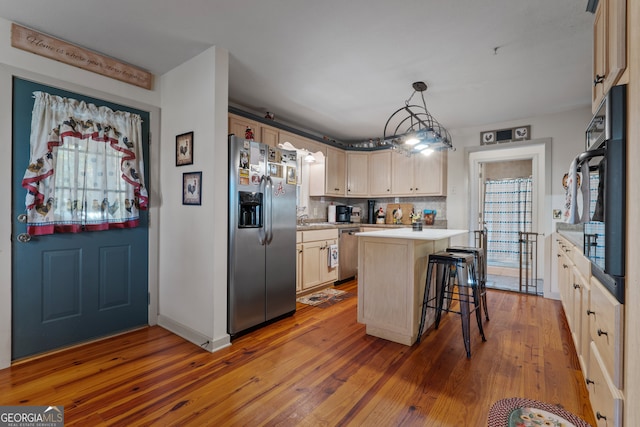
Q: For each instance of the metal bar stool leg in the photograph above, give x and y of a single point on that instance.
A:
(463, 297)
(442, 290)
(425, 300)
(477, 301)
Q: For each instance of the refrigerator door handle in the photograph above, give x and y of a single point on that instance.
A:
(262, 238)
(269, 220)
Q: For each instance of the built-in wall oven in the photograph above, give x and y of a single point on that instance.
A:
(605, 158)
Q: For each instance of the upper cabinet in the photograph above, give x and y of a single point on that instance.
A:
(341, 173)
(609, 47)
(419, 175)
(357, 174)
(327, 177)
(270, 136)
(335, 172)
(380, 173)
(430, 174)
(238, 126)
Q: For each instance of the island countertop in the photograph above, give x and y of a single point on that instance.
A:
(408, 233)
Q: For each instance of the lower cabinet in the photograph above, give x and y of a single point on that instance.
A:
(596, 322)
(313, 259)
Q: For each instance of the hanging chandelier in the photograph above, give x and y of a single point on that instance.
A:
(412, 129)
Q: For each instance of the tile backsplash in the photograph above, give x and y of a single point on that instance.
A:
(317, 209)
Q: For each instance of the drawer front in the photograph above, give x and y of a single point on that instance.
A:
(606, 399)
(606, 330)
(313, 235)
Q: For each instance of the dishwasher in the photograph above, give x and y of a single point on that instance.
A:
(348, 253)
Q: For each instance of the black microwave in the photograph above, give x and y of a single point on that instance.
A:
(605, 234)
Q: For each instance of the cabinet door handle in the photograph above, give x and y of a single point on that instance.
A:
(558, 255)
(565, 266)
(598, 80)
(589, 381)
(576, 286)
(589, 312)
(601, 333)
(599, 416)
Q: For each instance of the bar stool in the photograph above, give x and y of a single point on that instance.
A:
(450, 265)
(481, 269)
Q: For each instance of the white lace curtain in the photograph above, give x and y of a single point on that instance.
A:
(86, 169)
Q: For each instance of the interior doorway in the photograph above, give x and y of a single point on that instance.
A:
(507, 196)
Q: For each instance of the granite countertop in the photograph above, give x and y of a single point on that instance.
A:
(572, 232)
(408, 233)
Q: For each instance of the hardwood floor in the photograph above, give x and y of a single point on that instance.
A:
(316, 368)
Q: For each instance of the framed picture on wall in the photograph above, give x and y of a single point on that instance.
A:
(192, 188)
(184, 149)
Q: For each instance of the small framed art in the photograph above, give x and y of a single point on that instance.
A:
(487, 138)
(184, 149)
(192, 188)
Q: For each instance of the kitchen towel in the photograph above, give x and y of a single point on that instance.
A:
(573, 214)
(333, 256)
(585, 189)
(571, 204)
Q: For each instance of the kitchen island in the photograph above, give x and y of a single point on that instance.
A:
(392, 269)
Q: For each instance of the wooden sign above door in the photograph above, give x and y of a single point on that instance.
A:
(59, 50)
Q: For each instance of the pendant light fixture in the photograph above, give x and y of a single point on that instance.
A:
(412, 129)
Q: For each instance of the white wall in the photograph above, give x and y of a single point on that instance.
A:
(193, 243)
(566, 131)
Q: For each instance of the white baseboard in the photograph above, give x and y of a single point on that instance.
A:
(202, 341)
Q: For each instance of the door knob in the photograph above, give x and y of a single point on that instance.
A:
(24, 237)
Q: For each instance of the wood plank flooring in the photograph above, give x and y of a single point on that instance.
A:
(315, 368)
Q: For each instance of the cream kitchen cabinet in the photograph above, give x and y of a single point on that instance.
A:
(238, 126)
(605, 375)
(430, 174)
(261, 132)
(357, 174)
(380, 173)
(270, 136)
(609, 47)
(596, 322)
(335, 165)
(419, 175)
(315, 271)
(327, 177)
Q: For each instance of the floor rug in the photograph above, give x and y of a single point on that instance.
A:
(325, 297)
(518, 412)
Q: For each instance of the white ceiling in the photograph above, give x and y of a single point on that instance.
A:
(341, 67)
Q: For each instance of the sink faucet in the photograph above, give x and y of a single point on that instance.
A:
(301, 215)
(301, 219)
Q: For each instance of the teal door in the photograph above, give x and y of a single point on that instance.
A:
(69, 288)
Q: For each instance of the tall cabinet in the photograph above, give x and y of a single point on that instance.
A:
(609, 47)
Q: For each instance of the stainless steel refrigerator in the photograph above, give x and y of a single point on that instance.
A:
(262, 234)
